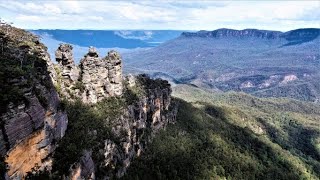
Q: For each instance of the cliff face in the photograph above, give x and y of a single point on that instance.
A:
(298, 36)
(31, 121)
(222, 33)
(131, 131)
(120, 115)
(140, 122)
(147, 108)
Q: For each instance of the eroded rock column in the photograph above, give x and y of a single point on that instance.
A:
(101, 78)
(114, 65)
(64, 57)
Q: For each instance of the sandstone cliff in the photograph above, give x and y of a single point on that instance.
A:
(151, 111)
(31, 121)
(132, 108)
(111, 118)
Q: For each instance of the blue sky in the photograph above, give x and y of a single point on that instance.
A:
(164, 14)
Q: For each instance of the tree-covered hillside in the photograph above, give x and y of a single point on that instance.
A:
(234, 136)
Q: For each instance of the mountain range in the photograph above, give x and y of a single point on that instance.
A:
(263, 63)
(89, 120)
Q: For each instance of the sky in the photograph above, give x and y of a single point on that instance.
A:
(161, 14)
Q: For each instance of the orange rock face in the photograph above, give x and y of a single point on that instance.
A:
(26, 155)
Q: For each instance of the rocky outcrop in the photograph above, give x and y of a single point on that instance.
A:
(101, 78)
(114, 66)
(150, 110)
(135, 129)
(64, 57)
(95, 79)
(94, 76)
(31, 120)
(85, 168)
(66, 69)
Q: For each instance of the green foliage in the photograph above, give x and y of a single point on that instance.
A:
(20, 65)
(234, 136)
(144, 81)
(79, 85)
(88, 127)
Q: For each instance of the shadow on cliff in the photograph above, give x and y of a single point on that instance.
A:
(204, 144)
(87, 130)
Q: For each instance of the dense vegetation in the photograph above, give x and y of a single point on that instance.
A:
(234, 136)
(88, 127)
(20, 65)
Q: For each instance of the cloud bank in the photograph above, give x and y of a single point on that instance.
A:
(150, 15)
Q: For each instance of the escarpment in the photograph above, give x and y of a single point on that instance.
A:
(73, 121)
(32, 121)
(132, 109)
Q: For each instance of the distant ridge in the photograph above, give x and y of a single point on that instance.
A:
(300, 36)
(306, 34)
(260, 62)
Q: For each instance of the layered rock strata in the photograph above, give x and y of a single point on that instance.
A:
(31, 120)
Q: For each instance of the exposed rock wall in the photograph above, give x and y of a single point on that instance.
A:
(132, 130)
(136, 128)
(95, 79)
(31, 121)
(114, 66)
(66, 69)
(34, 120)
(150, 110)
(94, 76)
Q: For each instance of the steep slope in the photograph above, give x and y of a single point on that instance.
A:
(263, 63)
(234, 136)
(103, 139)
(111, 119)
(31, 119)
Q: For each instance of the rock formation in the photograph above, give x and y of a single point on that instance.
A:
(100, 78)
(133, 129)
(31, 120)
(140, 122)
(64, 57)
(95, 79)
(114, 66)
(66, 69)
(94, 76)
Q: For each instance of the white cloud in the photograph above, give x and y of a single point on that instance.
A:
(142, 35)
(28, 18)
(193, 15)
